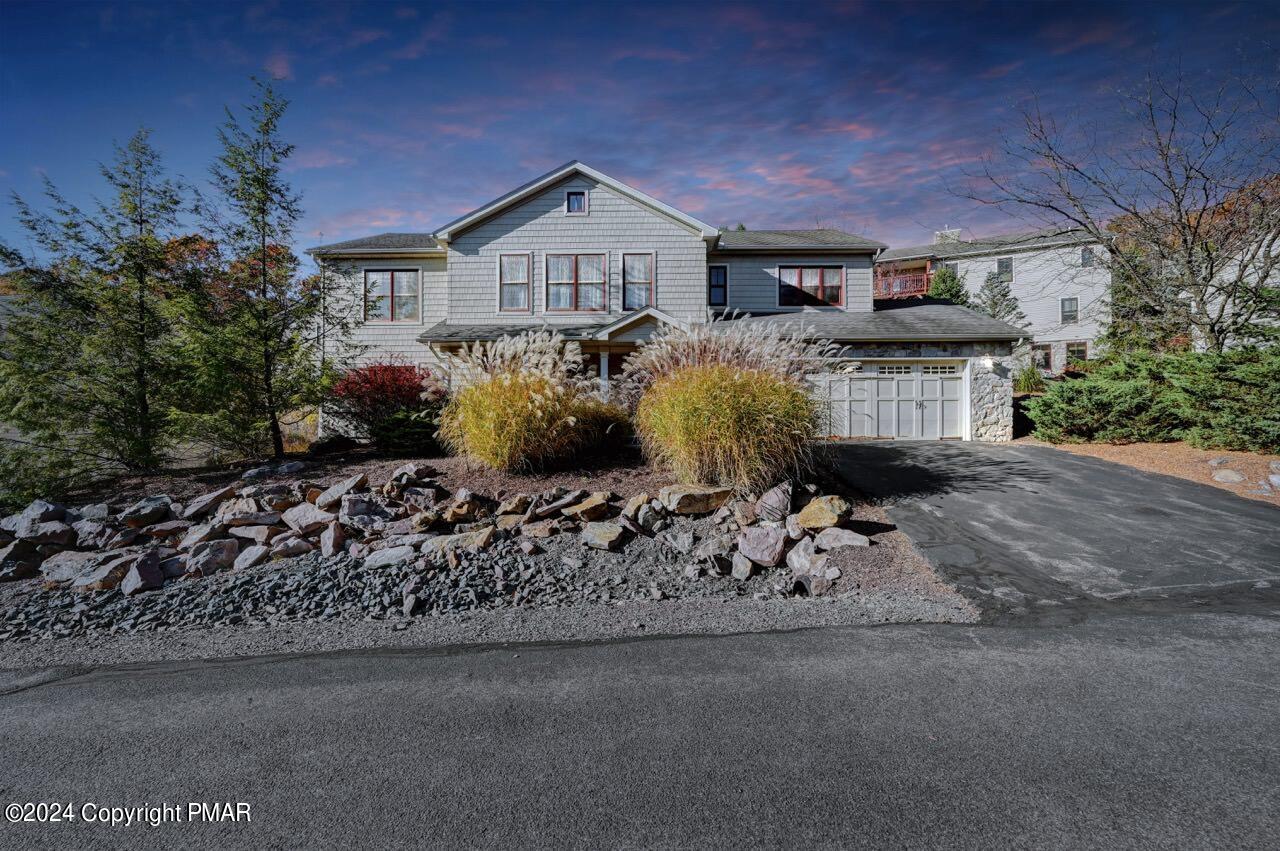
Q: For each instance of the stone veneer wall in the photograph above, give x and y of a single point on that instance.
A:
(990, 388)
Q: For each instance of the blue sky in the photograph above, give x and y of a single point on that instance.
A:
(858, 115)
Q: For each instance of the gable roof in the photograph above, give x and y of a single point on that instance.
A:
(801, 239)
(898, 320)
(384, 243)
(538, 184)
(1050, 238)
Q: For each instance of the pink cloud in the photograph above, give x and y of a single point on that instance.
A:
(857, 129)
(1068, 37)
(998, 71)
(317, 158)
(279, 65)
(430, 35)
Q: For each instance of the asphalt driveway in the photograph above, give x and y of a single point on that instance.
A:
(1030, 528)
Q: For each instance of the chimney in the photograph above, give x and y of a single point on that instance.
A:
(941, 237)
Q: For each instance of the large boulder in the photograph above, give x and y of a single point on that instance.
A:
(65, 566)
(148, 510)
(203, 505)
(823, 512)
(333, 496)
(763, 545)
(307, 518)
(774, 504)
(833, 537)
(18, 560)
(93, 534)
(804, 560)
(693, 499)
(212, 556)
(106, 574)
(38, 511)
(144, 574)
(53, 532)
(602, 536)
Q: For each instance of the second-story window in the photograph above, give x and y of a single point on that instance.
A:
(1069, 309)
(575, 202)
(637, 281)
(1087, 260)
(576, 282)
(1004, 269)
(513, 282)
(718, 286)
(391, 295)
(800, 286)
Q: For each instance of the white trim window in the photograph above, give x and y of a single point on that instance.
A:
(391, 295)
(515, 274)
(638, 281)
(1069, 310)
(576, 283)
(718, 285)
(577, 202)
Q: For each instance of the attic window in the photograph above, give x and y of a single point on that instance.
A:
(575, 202)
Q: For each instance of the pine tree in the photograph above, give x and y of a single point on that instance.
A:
(946, 284)
(257, 332)
(996, 299)
(88, 354)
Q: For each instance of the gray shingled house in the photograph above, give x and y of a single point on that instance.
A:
(606, 264)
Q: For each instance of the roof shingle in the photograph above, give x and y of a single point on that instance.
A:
(381, 242)
(989, 244)
(815, 238)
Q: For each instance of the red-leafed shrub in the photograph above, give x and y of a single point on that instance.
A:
(391, 404)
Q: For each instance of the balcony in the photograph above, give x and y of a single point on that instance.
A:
(901, 284)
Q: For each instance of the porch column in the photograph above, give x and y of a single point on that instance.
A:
(604, 374)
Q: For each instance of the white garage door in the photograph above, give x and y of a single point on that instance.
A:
(904, 400)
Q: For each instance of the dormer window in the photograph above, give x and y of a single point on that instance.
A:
(575, 202)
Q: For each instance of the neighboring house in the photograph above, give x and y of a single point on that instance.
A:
(1059, 278)
(607, 264)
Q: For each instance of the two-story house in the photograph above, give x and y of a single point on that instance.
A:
(606, 264)
(1059, 278)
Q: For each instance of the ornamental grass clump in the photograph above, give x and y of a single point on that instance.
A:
(528, 404)
(727, 403)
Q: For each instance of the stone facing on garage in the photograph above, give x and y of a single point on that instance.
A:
(990, 388)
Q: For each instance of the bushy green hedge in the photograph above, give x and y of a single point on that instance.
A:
(1220, 401)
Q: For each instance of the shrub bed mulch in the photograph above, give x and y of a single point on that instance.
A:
(679, 555)
(1188, 462)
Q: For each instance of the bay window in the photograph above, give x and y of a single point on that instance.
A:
(800, 286)
(513, 282)
(637, 281)
(391, 295)
(576, 282)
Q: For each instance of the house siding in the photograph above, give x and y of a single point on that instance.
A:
(614, 225)
(382, 341)
(753, 278)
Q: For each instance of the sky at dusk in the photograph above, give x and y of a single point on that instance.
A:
(857, 115)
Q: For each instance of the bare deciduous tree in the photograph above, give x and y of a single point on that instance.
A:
(1185, 195)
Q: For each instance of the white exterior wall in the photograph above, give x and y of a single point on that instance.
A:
(1040, 280)
(381, 341)
(613, 225)
(753, 278)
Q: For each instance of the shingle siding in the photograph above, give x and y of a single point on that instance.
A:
(614, 225)
(380, 341)
(753, 278)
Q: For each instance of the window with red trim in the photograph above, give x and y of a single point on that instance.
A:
(576, 282)
(637, 281)
(801, 286)
(391, 295)
(513, 283)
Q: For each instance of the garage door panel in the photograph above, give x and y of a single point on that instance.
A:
(906, 401)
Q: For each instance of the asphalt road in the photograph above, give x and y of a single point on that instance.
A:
(1115, 733)
(1038, 530)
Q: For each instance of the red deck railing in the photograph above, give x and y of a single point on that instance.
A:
(901, 285)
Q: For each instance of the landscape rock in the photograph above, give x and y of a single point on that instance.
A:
(144, 512)
(333, 496)
(167, 529)
(763, 545)
(290, 545)
(743, 567)
(18, 560)
(306, 518)
(332, 540)
(106, 574)
(65, 566)
(251, 557)
(1228, 477)
(693, 499)
(774, 504)
(713, 547)
(602, 536)
(632, 507)
(199, 534)
(560, 503)
(744, 513)
(540, 529)
(804, 560)
(480, 539)
(257, 534)
(52, 532)
(203, 505)
(211, 556)
(794, 530)
(96, 511)
(40, 511)
(593, 507)
(810, 586)
(517, 504)
(291, 468)
(173, 566)
(648, 517)
(93, 534)
(394, 555)
(529, 548)
(833, 537)
(144, 574)
(823, 512)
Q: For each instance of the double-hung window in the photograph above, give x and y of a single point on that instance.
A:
(576, 282)
(391, 295)
(718, 286)
(1004, 270)
(513, 282)
(1077, 352)
(1069, 310)
(1087, 258)
(637, 281)
(799, 286)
